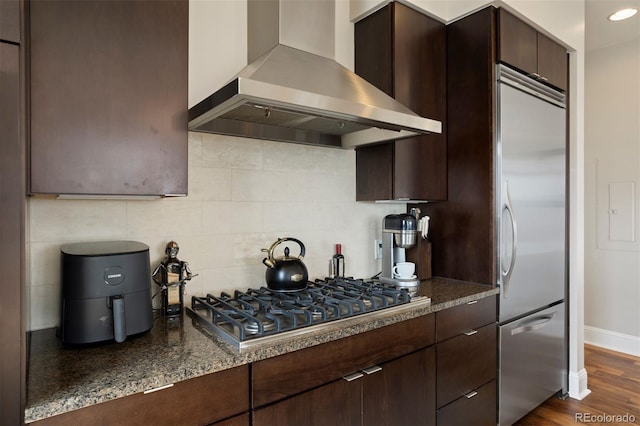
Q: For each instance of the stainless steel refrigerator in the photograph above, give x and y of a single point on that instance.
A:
(532, 249)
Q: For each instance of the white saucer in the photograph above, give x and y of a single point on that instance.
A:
(412, 277)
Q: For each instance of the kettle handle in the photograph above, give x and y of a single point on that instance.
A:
(282, 240)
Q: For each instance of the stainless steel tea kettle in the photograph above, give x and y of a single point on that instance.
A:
(285, 273)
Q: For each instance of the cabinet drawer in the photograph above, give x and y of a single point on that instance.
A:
(279, 377)
(460, 319)
(475, 408)
(464, 363)
(194, 399)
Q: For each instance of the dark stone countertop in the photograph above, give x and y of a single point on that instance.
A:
(64, 378)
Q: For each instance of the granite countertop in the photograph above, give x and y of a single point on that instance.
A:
(64, 378)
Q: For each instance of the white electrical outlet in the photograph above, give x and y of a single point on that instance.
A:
(377, 249)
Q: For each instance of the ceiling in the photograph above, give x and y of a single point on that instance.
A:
(600, 32)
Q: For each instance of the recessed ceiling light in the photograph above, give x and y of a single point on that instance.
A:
(623, 14)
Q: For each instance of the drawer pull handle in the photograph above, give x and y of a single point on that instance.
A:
(158, 388)
(473, 302)
(471, 395)
(352, 377)
(533, 324)
(470, 332)
(372, 370)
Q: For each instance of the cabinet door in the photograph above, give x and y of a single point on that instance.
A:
(419, 56)
(336, 403)
(10, 20)
(517, 43)
(12, 354)
(374, 63)
(402, 392)
(553, 63)
(403, 53)
(109, 97)
(374, 49)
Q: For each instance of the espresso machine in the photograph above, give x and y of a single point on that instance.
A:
(398, 234)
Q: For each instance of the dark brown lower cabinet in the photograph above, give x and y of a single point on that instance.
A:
(191, 402)
(466, 364)
(403, 392)
(384, 376)
(398, 392)
(476, 408)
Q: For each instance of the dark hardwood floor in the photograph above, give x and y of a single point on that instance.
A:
(614, 381)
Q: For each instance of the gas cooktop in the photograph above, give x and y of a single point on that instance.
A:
(256, 316)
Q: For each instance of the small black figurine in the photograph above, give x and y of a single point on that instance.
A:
(171, 275)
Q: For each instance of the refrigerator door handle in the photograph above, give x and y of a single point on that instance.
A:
(534, 324)
(506, 274)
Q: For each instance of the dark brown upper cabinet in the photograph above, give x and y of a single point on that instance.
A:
(108, 96)
(10, 20)
(403, 53)
(12, 239)
(531, 52)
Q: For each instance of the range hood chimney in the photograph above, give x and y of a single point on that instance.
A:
(294, 91)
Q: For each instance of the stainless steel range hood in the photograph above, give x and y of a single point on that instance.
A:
(294, 91)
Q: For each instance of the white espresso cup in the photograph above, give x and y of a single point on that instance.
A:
(404, 270)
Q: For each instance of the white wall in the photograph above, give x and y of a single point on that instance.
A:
(612, 157)
(217, 44)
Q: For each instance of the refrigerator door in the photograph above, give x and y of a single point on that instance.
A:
(532, 362)
(531, 151)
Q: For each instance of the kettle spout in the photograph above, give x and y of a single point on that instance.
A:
(269, 263)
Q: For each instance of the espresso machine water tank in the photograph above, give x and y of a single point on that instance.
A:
(404, 229)
(106, 291)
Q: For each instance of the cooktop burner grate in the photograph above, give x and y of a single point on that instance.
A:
(248, 316)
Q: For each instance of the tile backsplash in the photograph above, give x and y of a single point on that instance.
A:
(243, 195)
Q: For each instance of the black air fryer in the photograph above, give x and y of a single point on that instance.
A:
(106, 292)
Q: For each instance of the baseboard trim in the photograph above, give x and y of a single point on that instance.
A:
(612, 340)
(578, 384)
